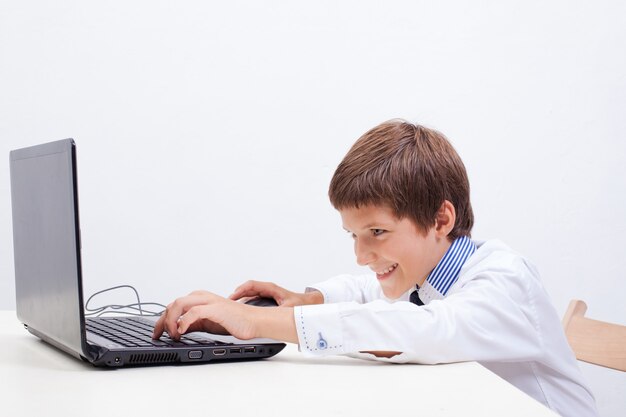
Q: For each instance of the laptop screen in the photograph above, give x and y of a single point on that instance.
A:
(46, 242)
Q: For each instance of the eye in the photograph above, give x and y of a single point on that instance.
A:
(378, 232)
(352, 235)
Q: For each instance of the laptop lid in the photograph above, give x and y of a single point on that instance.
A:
(46, 242)
(48, 277)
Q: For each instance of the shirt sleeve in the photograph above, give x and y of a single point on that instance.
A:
(346, 288)
(491, 317)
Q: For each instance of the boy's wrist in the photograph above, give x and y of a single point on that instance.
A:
(277, 323)
(313, 297)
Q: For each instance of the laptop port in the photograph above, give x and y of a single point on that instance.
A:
(249, 349)
(219, 352)
(235, 350)
(194, 354)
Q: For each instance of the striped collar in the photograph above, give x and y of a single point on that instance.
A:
(446, 272)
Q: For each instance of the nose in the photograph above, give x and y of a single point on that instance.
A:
(364, 253)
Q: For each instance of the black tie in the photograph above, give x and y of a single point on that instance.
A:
(415, 298)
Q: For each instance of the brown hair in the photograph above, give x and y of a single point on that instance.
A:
(409, 168)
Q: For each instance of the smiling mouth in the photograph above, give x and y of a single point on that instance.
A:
(386, 273)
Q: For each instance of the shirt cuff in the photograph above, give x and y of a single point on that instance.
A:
(318, 332)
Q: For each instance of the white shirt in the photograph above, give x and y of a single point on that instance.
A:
(497, 313)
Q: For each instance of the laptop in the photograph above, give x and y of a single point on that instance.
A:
(48, 276)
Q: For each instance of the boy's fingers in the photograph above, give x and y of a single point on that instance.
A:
(161, 326)
(179, 307)
(169, 324)
(267, 289)
(192, 316)
(158, 327)
(237, 295)
(247, 289)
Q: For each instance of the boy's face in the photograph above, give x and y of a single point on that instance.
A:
(396, 250)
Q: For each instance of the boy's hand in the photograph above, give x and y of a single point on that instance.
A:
(204, 311)
(283, 297)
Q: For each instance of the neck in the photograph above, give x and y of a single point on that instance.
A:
(440, 249)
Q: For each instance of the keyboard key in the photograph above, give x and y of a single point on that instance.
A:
(137, 331)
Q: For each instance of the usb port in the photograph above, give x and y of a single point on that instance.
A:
(249, 349)
(234, 350)
(219, 352)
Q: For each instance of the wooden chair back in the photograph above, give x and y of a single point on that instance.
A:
(594, 341)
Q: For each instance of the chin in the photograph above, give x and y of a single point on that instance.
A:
(391, 293)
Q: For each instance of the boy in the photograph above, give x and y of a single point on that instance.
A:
(436, 296)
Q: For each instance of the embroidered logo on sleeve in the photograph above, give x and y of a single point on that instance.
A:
(321, 343)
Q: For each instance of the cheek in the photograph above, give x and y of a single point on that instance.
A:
(409, 259)
(404, 255)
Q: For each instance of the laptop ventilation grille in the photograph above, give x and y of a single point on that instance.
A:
(138, 358)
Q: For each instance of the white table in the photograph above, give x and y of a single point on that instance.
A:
(38, 380)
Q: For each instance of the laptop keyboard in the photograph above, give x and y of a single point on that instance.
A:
(137, 332)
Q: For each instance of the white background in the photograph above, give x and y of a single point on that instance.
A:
(207, 133)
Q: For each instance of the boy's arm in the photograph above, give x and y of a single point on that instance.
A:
(277, 323)
(361, 289)
(345, 288)
(204, 311)
(283, 297)
(483, 322)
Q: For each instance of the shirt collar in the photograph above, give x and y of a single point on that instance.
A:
(445, 274)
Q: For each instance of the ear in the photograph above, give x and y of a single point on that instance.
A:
(446, 217)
